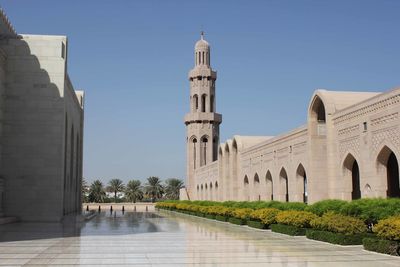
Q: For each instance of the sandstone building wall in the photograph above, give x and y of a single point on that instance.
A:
(41, 123)
(348, 149)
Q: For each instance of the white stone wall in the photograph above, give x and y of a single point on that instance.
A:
(37, 97)
(365, 131)
(315, 161)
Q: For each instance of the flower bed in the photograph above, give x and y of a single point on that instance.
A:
(334, 221)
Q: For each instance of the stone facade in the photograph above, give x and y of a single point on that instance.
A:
(348, 149)
(41, 127)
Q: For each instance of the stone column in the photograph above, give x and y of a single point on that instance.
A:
(2, 189)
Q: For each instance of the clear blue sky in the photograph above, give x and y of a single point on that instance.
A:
(132, 59)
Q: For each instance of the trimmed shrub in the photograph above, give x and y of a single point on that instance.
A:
(324, 206)
(257, 224)
(214, 210)
(295, 218)
(224, 211)
(237, 221)
(335, 238)
(339, 223)
(371, 210)
(210, 216)
(388, 228)
(288, 229)
(221, 218)
(382, 246)
(289, 205)
(267, 216)
(243, 214)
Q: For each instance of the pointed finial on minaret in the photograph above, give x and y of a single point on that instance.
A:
(202, 35)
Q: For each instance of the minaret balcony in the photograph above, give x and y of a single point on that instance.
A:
(203, 72)
(203, 117)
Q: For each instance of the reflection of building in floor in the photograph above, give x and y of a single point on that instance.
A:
(348, 149)
(41, 127)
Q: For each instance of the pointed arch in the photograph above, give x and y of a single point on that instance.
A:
(193, 151)
(195, 102)
(388, 171)
(246, 196)
(211, 194)
(301, 183)
(270, 185)
(228, 169)
(352, 175)
(284, 185)
(204, 147)
(256, 187)
(212, 103)
(203, 102)
(317, 116)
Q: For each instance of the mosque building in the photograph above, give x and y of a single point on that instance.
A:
(41, 128)
(348, 148)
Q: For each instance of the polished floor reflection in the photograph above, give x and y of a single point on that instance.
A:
(169, 239)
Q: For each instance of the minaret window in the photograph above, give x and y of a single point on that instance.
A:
(203, 158)
(195, 102)
(203, 58)
(212, 103)
(203, 103)
(194, 153)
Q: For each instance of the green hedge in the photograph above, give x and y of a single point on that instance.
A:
(221, 218)
(210, 216)
(372, 209)
(257, 224)
(382, 246)
(236, 221)
(288, 229)
(324, 206)
(335, 238)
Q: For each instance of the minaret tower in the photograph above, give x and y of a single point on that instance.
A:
(202, 122)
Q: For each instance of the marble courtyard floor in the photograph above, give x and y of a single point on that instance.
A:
(169, 239)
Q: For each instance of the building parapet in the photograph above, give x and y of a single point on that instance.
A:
(381, 101)
(74, 94)
(300, 131)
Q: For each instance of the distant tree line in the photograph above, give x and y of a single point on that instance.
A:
(154, 189)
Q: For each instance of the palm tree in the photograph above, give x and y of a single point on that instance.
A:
(133, 191)
(172, 187)
(96, 192)
(154, 188)
(115, 186)
(85, 190)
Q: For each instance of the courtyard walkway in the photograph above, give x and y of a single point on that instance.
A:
(169, 239)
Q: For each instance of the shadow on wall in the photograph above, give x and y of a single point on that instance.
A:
(33, 119)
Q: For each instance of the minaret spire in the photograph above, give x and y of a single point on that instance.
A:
(202, 121)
